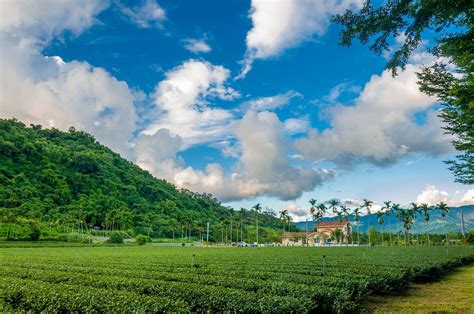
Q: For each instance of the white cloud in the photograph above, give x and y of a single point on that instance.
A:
(262, 168)
(381, 127)
(42, 20)
(295, 211)
(432, 196)
(296, 125)
(339, 89)
(467, 198)
(157, 153)
(46, 90)
(272, 102)
(145, 15)
(280, 25)
(228, 148)
(182, 100)
(263, 157)
(197, 45)
(350, 202)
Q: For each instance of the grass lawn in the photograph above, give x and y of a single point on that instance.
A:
(453, 293)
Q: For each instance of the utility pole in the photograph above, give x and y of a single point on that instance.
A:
(257, 228)
(207, 237)
(462, 226)
(306, 231)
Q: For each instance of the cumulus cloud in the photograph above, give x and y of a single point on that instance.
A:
(182, 101)
(272, 102)
(432, 196)
(280, 25)
(295, 126)
(43, 20)
(352, 202)
(196, 45)
(147, 14)
(262, 168)
(294, 210)
(157, 153)
(46, 90)
(381, 127)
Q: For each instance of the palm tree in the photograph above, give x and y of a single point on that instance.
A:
(283, 215)
(257, 209)
(406, 215)
(222, 222)
(345, 214)
(200, 228)
(339, 215)
(322, 209)
(226, 224)
(243, 219)
(313, 209)
(380, 220)
(426, 216)
(413, 211)
(388, 212)
(368, 205)
(396, 209)
(231, 211)
(345, 211)
(333, 205)
(357, 219)
(237, 227)
(443, 207)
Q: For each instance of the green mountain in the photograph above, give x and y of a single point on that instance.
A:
(68, 178)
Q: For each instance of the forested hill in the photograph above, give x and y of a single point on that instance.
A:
(65, 177)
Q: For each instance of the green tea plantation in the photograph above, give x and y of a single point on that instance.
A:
(199, 279)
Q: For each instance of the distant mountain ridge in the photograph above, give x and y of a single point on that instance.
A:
(436, 225)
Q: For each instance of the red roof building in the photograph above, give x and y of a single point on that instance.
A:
(296, 234)
(331, 224)
(325, 228)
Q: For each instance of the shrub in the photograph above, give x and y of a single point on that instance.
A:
(470, 237)
(35, 230)
(142, 239)
(115, 238)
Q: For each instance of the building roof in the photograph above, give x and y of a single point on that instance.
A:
(331, 224)
(296, 234)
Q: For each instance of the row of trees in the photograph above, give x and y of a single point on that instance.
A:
(404, 215)
(244, 225)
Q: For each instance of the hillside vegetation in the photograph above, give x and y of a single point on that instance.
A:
(69, 179)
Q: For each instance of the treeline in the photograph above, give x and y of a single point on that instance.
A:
(71, 182)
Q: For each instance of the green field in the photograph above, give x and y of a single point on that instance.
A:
(152, 278)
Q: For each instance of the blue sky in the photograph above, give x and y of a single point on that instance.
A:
(253, 101)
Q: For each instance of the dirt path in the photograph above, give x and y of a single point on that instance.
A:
(454, 293)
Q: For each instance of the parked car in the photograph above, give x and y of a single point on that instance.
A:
(242, 244)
